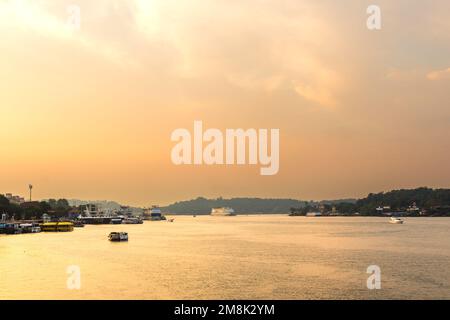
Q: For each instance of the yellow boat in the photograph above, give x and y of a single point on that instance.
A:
(57, 227)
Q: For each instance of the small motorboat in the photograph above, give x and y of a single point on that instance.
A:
(78, 224)
(116, 221)
(132, 221)
(118, 236)
(395, 220)
(170, 220)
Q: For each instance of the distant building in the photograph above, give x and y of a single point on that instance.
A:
(125, 211)
(413, 209)
(147, 212)
(30, 204)
(89, 210)
(13, 199)
(322, 208)
(386, 210)
(109, 212)
(74, 213)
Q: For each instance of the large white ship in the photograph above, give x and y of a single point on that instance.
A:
(224, 211)
(153, 214)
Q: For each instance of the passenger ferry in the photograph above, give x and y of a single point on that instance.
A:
(132, 221)
(223, 211)
(153, 214)
(118, 236)
(10, 228)
(95, 220)
(57, 227)
(91, 214)
(117, 220)
(30, 227)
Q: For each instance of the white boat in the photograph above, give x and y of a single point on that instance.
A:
(314, 214)
(395, 220)
(154, 214)
(132, 221)
(223, 211)
(30, 228)
(116, 220)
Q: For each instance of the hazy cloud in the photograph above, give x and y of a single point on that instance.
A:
(439, 74)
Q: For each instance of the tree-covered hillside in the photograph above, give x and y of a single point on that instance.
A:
(240, 205)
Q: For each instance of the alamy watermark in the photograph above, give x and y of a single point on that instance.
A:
(227, 149)
(73, 17)
(374, 280)
(374, 20)
(74, 279)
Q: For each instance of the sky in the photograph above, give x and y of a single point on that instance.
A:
(88, 112)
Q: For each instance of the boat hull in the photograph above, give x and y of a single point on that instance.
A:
(222, 212)
(396, 222)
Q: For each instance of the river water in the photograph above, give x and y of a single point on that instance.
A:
(242, 257)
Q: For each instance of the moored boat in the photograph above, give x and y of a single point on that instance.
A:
(395, 220)
(10, 228)
(314, 214)
(30, 227)
(78, 224)
(132, 221)
(57, 227)
(223, 211)
(96, 220)
(116, 221)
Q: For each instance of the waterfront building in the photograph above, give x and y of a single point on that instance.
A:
(385, 210)
(73, 213)
(14, 199)
(90, 210)
(413, 209)
(125, 211)
(146, 215)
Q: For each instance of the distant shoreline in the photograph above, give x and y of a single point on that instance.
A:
(291, 215)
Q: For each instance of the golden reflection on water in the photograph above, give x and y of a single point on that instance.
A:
(242, 257)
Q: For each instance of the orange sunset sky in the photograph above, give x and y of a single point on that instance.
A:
(88, 113)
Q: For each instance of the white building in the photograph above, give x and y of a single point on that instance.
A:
(126, 211)
(14, 199)
(89, 210)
